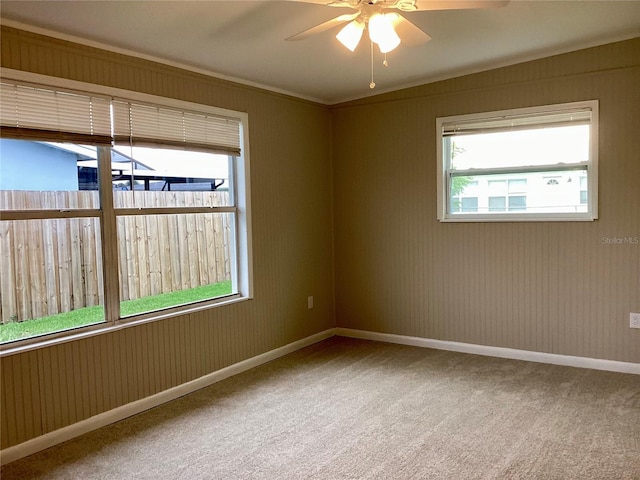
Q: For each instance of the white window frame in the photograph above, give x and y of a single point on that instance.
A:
(243, 274)
(444, 176)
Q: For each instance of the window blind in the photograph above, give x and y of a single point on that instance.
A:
(149, 125)
(518, 122)
(37, 113)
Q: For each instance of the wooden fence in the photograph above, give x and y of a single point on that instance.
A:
(55, 265)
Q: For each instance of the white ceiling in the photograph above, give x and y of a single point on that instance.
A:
(245, 40)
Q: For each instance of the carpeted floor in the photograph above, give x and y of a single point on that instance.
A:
(354, 409)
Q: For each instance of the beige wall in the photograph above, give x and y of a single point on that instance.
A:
(548, 287)
(52, 387)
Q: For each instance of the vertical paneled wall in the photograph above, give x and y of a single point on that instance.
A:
(49, 388)
(555, 287)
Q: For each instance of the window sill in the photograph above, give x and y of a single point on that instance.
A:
(532, 217)
(48, 340)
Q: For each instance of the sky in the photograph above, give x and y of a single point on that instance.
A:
(544, 146)
(181, 163)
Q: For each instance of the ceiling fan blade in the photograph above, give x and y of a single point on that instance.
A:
(408, 32)
(457, 4)
(330, 3)
(319, 2)
(324, 26)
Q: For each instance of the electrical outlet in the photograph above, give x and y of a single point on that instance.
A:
(310, 302)
(634, 320)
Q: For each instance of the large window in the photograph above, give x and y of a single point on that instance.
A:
(116, 208)
(528, 164)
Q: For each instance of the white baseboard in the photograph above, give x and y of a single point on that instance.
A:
(67, 433)
(501, 352)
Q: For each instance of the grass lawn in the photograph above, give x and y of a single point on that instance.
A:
(91, 315)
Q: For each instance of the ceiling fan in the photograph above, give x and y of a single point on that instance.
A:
(386, 26)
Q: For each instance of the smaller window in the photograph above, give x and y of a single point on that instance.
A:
(469, 204)
(535, 163)
(517, 186)
(583, 190)
(497, 204)
(518, 203)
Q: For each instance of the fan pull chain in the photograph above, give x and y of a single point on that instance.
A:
(372, 85)
(385, 63)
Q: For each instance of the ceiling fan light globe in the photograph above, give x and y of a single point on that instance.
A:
(381, 31)
(389, 44)
(351, 34)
